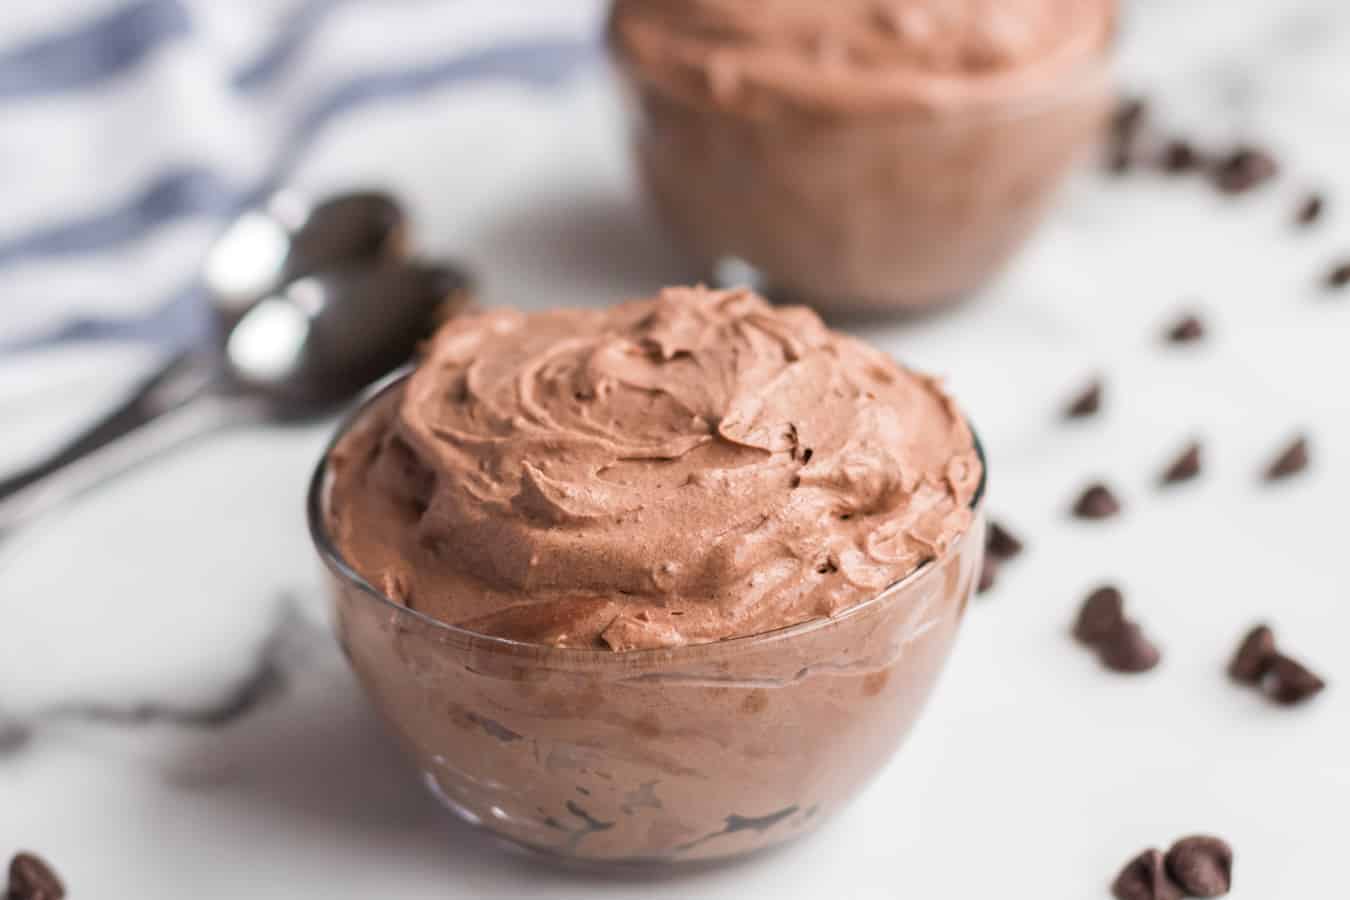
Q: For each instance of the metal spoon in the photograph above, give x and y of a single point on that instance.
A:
(297, 353)
(263, 248)
(285, 239)
(316, 345)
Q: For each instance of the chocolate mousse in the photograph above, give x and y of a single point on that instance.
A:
(861, 154)
(669, 580)
(690, 468)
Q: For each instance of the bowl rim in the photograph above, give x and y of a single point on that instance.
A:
(333, 559)
(1089, 72)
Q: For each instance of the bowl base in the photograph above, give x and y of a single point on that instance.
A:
(646, 867)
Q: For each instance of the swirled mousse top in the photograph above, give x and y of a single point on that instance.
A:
(692, 467)
(861, 56)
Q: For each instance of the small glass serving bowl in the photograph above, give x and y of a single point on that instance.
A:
(861, 213)
(691, 753)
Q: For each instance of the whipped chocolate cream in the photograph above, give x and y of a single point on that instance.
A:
(858, 56)
(688, 468)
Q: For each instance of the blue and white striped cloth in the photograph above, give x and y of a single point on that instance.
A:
(130, 130)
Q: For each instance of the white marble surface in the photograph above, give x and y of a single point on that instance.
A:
(1034, 773)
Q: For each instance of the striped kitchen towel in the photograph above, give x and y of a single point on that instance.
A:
(130, 130)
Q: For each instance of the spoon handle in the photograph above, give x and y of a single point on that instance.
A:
(168, 409)
(168, 387)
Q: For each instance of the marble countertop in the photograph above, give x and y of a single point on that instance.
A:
(176, 721)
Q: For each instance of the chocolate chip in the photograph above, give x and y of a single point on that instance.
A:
(1129, 118)
(1001, 544)
(1127, 649)
(1253, 657)
(1102, 615)
(1187, 330)
(1289, 682)
(988, 574)
(1201, 865)
(1119, 160)
(1087, 402)
(1309, 210)
(31, 878)
(1244, 169)
(1339, 276)
(1184, 467)
(1127, 123)
(1145, 878)
(1097, 502)
(1180, 157)
(1292, 460)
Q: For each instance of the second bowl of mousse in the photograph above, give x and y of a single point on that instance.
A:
(864, 156)
(669, 581)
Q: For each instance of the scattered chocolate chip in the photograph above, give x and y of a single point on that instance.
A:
(1339, 276)
(1087, 402)
(1253, 657)
(1180, 157)
(1258, 663)
(1127, 123)
(1127, 649)
(1097, 502)
(1289, 682)
(988, 574)
(1129, 118)
(31, 878)
(1130, 113)
(1102, 615)
(1244, 169)
(1119, 160)
(1184, 467)
(1000, 546)
(1145, 878)
(1188, 330)
(1201, 865)
(1001, 543)
(1292, 460)
(1309, 210)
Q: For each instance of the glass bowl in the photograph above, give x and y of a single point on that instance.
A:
(881, 211)
(690, 753)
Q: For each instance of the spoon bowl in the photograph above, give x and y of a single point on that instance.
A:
(284, 240)
(323, 339)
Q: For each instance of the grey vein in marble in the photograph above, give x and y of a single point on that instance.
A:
(264, 682)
